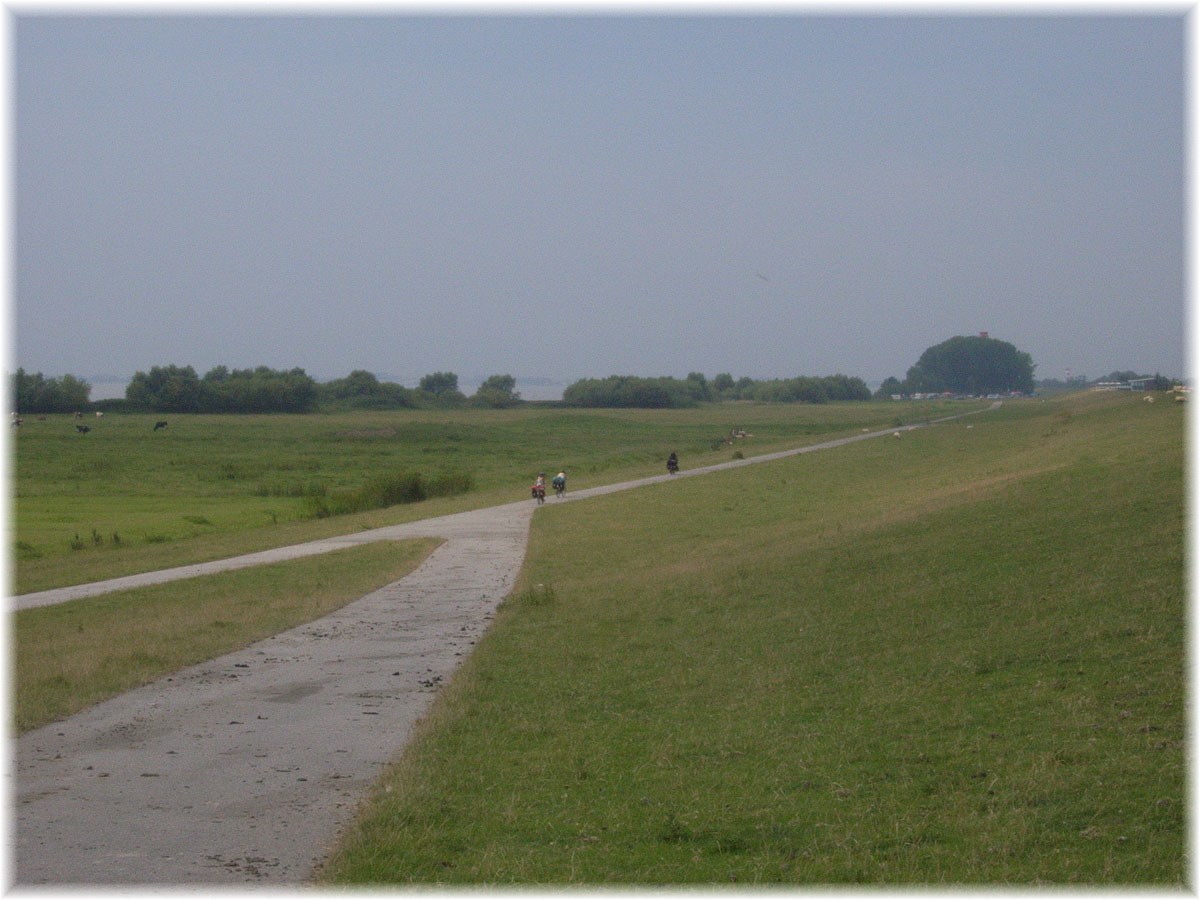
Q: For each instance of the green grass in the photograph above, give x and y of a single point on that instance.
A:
(73, 655)
(956, 657)
(125, 498)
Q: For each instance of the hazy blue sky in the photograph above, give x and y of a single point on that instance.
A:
(572, 195)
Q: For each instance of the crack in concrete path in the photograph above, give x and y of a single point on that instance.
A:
(244, 769)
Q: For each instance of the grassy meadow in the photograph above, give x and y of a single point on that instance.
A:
(955, 657)
(126, 498)
(952, 658)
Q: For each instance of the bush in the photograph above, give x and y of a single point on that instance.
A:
(391, 490)
(629, 392)
(362, 390)
(450, 483)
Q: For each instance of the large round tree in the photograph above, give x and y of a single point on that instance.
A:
(972, 365)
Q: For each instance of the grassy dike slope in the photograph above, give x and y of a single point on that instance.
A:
(952, 657)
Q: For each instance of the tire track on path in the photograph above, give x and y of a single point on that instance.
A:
(244, 769)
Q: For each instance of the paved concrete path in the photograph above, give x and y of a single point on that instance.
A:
(244, 769)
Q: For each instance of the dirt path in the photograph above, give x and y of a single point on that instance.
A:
(244, 769)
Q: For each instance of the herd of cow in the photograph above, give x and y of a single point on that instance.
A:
(82, 429)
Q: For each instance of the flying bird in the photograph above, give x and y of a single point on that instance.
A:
(763, 277)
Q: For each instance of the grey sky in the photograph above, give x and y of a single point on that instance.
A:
(570, 196)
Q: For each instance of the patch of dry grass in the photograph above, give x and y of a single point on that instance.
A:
(73, 655)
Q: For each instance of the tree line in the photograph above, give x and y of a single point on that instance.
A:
(974, 365)
(180, 389)
(176, 389)
(38, 394)
(668, 392)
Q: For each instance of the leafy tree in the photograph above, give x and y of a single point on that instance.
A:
(166, 389)
(744, 389)
(38, 394)
(362, 390)
(175, 389)
(498, 391)
(723, 384)
(891, 385)
(697, 386)
(504, 383)
(359, 383)
(972, 365)
(257, 390)
(439, 383)
(442, 387)
(844, 387)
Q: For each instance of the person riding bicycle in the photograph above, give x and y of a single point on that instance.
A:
(539, 487)
(672, 463)
(560, 483)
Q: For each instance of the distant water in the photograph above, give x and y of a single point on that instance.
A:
(108, 390)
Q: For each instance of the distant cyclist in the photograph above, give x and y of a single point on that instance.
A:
(672, 463)
(560, 483)
(539, 488)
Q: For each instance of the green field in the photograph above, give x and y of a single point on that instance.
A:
(125, 498)
(951, 658)
(954, 657)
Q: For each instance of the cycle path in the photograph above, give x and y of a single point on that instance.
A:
(245, 768)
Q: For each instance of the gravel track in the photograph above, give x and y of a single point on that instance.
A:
(244, 769)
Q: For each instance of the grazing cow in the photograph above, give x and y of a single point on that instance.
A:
(158, 425)
(82, 429)
(99, 415)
